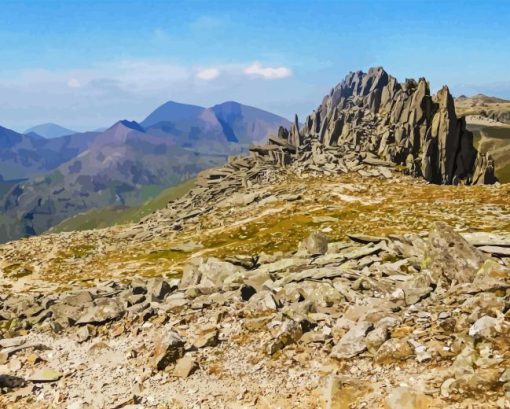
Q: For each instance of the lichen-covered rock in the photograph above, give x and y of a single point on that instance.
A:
(450, 257)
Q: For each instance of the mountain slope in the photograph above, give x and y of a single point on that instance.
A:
(489, 120)
(50, 130)
(223, 128)
(246, 124)
(23, 156)
(122, 166)
(111, 216)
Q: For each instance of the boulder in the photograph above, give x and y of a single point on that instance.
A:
(168, 350)
(103, 310)
(353, 342)
(184, 367)
(158, 288)
(449, 256)
(315, 244)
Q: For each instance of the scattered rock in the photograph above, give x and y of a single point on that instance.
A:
(314, 245)
(184, 367)
(168, 350)
(45, 375)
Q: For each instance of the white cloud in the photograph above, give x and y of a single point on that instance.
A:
(99, 94)
(73, 83)
(270, 73)
(208, 74)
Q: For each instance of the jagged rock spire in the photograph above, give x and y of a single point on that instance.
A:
(372, 119)
(401, 123)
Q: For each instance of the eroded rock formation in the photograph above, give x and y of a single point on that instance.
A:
(375, 116)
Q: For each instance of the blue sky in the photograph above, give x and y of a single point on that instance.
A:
(85, 64)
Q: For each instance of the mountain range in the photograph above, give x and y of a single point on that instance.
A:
(45, 181)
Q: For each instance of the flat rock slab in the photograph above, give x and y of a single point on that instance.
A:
(365, 238)
(496, 250)
(486, 239)
(45, 375)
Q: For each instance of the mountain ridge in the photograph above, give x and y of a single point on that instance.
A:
(50, 130)
(123, 165)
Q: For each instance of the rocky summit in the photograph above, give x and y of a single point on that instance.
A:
(323, 270)
(375, 118)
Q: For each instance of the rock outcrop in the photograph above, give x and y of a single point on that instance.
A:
(371, 118)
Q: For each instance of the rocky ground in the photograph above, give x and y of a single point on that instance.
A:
(317, 291)
(316, 275)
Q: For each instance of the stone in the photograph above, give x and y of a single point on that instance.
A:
(45, 375)
(408, 398)
(263, 301)
(365, 238)
(487, 327)
(78, 300)
(184, 367)
(450, 257)
(496, 250)
(206, 339)
(289, 333)
(353, 342)
(83, 334)
(103, 310)
(315, 244)
(168, 350)
(394, 349)
(376, 338)
(158, 288)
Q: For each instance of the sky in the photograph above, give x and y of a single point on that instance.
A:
(87, 64)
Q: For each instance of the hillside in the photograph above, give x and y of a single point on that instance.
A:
(489, 120)
(312, 273)
(23, 156)
(492, 108)
(122, 166)
(111, 216)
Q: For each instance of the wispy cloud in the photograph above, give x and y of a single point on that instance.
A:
(208, 74)
(73, 83)
(207, 23)
(100, 94)
(258, 70)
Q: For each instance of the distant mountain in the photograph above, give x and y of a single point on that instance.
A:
(50, 130)
(23, 156)
(246, 124)
(122, 166)
(174, 112)
(212, 129)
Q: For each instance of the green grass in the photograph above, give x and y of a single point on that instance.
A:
(111, 216)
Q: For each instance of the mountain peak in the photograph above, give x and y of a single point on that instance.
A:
(131, 125)
(171, 111)
(49, 130)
